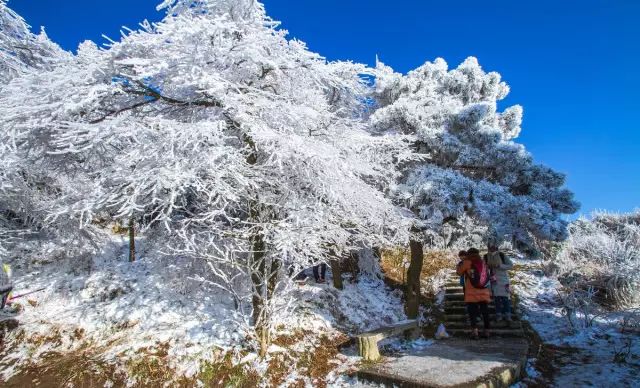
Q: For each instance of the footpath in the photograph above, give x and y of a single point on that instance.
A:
(458, 361)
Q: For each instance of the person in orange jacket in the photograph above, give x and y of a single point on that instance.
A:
(478, 296)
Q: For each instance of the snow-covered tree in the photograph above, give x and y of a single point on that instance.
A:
(466, 161)
(211, 128)
(20, 49)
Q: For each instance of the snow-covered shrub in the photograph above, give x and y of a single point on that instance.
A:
(603, 253)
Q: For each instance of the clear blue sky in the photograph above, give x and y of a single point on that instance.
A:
(573, 64)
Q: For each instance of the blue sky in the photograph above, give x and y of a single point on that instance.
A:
(572, 64)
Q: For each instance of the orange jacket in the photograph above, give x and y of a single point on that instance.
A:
(472, 294)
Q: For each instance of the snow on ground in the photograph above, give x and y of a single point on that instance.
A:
(119, 308)
(324, 311)
(361, 306)
(587, 355)
(122, 307)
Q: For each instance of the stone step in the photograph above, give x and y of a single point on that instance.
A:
(461, 303)
(456, 302)
(454, 296)
(457, 362)
(453, 290)
(492, 332)
(461, 310)
(464, 317)
(514, 325)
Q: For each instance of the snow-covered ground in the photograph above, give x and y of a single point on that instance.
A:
(583, 356)
(121, 310)
(120, 307)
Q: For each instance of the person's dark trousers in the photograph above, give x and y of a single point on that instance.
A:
(319, 271)
(477, 309)
(3, 298)
(503, 306)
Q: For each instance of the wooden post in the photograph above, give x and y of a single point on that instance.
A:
(132, 240)
(412, 292)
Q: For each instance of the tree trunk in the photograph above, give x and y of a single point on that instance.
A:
(132, 241)
(265, 279)
(412, 293)
(273, 277)
(336, 272)
(355, 267)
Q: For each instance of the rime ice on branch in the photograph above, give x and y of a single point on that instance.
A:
(466, 162)
(213, 130)
(232, 144)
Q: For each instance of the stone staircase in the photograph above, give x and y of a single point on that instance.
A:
(456, 319)
(456, 362)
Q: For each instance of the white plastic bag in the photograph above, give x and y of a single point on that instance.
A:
(441, 333)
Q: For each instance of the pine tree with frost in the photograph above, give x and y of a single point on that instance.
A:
(465, 159)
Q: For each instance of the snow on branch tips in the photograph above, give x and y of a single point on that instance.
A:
(466, 162)
(217, 135)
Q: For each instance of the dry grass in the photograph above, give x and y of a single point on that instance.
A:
(308, 354)
(86, 365)
(225, 373)
(395, 262)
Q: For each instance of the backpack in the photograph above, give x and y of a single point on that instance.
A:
(478, 274)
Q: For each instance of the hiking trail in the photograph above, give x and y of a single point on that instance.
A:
(458, 361)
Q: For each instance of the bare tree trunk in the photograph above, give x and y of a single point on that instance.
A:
(265, 279)
(273, 277)
(336, 271)
(264, 283)
(258, 279)
(132, 241)
(412, 292)
(355, 268)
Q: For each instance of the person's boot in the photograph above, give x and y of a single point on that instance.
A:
(498, 317)
(509, 320)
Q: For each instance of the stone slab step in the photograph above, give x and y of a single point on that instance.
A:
(461, 303)
(461, 310)
(454, 296)
(493, 332)
(453, 290)
(463, 317)
(456, 362)
(514, 325)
